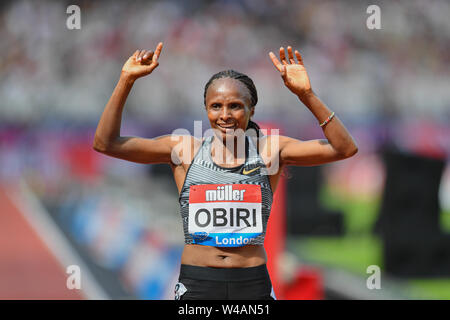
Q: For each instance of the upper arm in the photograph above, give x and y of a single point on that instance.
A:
(163, 149)
(307, 153)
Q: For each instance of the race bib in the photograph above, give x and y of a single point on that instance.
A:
(225, 215)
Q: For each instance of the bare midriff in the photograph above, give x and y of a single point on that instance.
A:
(224, 257)
(221, 257)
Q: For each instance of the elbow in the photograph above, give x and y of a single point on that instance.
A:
(347, 153)
(99, 145)
(351, 152)
(354, 151)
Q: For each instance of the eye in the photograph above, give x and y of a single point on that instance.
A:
(236, 106)
(215, 106)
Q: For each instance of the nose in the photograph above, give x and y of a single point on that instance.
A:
(225, 114)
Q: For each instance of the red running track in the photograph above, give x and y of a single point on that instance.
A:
(28, 269)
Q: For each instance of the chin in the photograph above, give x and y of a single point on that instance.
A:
(224, 136)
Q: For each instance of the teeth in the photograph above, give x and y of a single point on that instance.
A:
(227, 127)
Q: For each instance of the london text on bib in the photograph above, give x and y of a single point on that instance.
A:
(224, 215)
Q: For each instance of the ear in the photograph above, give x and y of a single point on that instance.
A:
(252, 111)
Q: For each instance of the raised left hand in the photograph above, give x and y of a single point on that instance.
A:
(293, 73)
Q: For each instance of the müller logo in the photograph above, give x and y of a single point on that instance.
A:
(225, 193)
(225, 215)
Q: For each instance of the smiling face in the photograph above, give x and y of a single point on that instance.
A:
(228, 104)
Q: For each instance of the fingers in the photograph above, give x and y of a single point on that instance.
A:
(138, 55)
(147, 57)
(285, 61)
(143, 57)
(283, 56)
(141, 54)
(299, 57)
(157, 52)
(280, 67)
(291, 55)
(275, 61)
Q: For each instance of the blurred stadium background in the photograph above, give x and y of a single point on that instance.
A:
(63, 204)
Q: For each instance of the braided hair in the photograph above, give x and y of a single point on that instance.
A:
(248, 84)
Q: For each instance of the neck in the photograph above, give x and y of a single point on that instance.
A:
(230, 151)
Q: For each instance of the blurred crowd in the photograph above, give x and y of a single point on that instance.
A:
(389, 86)
(399, 72)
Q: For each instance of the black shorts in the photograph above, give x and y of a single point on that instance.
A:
(205, 283)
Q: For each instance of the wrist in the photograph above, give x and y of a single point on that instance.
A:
(127, 77)
(305, 95)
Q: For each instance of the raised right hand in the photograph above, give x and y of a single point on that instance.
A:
(142, 63)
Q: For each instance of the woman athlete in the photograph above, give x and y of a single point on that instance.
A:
(225, 197)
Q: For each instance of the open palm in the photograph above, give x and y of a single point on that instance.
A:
(293, 72)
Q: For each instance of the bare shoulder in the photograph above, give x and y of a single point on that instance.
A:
(273, 149)
(269, 147)
(275, 143)
(184, 148)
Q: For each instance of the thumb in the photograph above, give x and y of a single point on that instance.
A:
(151, 67)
